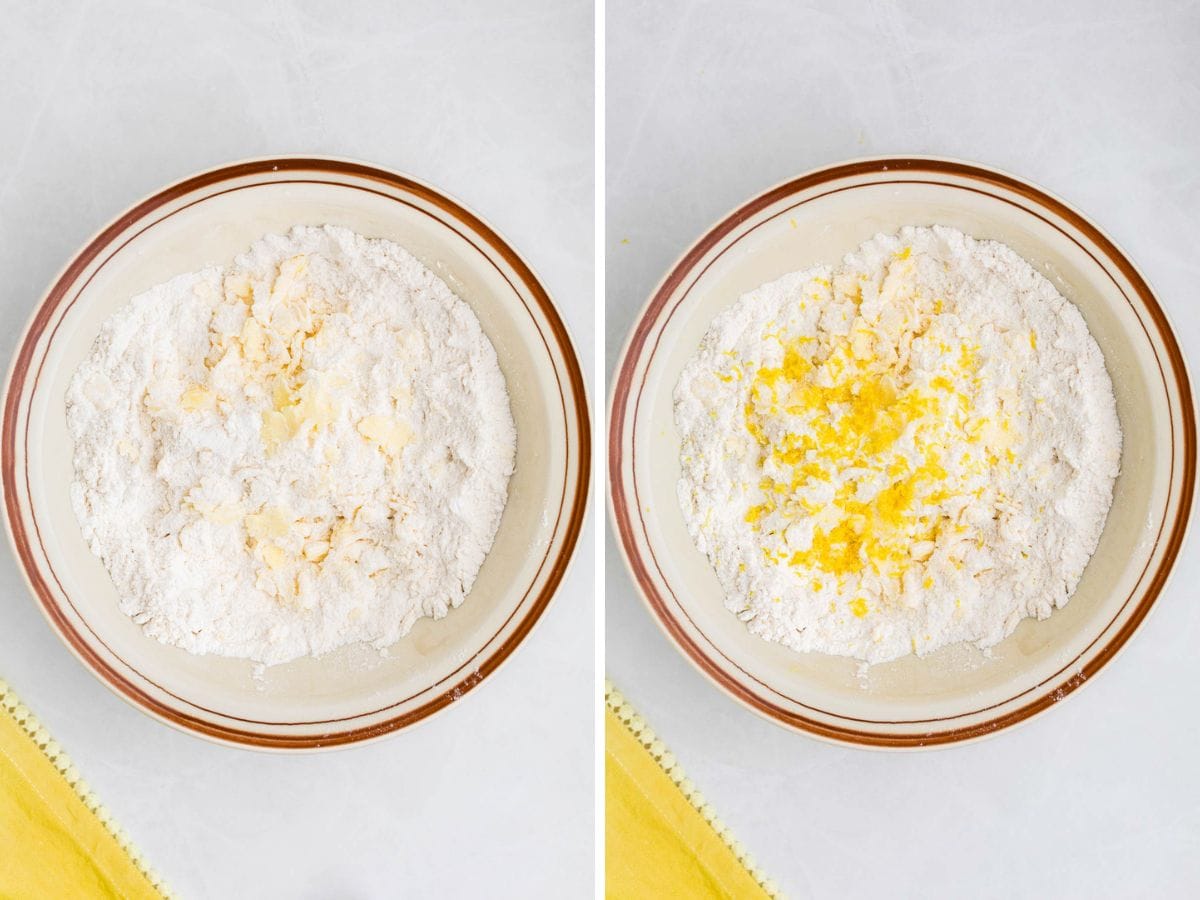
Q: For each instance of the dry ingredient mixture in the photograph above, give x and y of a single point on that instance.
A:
(912, 449)
(307, 449)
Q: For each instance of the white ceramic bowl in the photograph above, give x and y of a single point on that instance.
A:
(354, 694)
(958, 693)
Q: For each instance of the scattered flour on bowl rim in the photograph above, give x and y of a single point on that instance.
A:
(915, 448)
(307, 449)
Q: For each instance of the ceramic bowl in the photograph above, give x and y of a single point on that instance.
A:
(957, 693)
(354, 694)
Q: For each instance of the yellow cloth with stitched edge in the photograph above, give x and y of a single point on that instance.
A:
(51, 844)
(656, 843)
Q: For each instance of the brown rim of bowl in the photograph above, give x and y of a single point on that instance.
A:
(473, 230)
(625, 390)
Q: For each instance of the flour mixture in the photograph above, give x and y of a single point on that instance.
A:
(915, 448)
(307, 449)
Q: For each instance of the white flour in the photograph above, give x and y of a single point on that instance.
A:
(915, 448)
(308, 449)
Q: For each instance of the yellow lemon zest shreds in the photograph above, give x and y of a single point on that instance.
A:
(851, 401)
(754, 513)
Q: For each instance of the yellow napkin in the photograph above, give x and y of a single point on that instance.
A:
(55, 839)
(661, 838)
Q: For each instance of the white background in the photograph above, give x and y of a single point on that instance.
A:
(103, 103)
(1099, 102)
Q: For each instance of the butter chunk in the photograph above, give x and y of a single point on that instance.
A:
(220, 512)
(198, 399)
(223, 513)
(296, 411)
(276, 429)
(275, 557)
(238, 287)
(290, 280)
(388, 434)
(272, 522)
(253, 341)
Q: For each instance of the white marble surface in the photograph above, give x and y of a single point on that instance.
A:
(1100, 102)
(102, 103)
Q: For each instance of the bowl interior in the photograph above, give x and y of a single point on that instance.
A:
(357, 678)
(959, 678)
